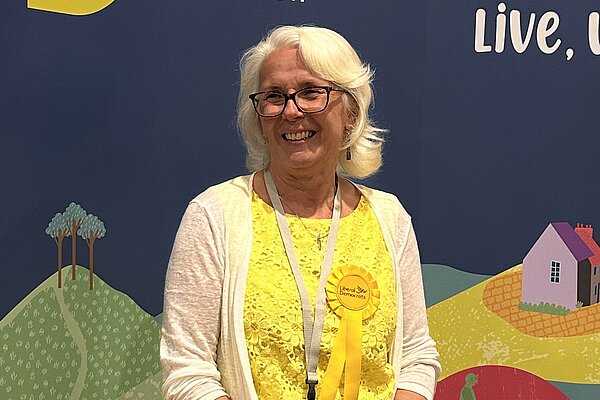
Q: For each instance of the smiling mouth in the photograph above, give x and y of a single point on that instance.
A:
(294, 137)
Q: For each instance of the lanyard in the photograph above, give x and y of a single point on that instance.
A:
(312, 331)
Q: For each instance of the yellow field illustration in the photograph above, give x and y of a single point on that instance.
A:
(468, 333)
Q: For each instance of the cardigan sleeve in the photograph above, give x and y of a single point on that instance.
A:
(191, 323)
(419, 366)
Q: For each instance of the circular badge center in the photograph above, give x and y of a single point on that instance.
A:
(353, 292)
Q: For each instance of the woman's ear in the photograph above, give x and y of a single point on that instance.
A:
(351, 117)
(350, 121)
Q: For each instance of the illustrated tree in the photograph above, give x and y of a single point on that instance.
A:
(58, 229)
(91, 229)
(74, 215)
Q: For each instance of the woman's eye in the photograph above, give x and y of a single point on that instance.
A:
(311, 92)
(273, 97)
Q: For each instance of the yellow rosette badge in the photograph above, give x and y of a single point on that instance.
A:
(353, 295)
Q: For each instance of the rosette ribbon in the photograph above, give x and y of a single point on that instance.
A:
(353, 295)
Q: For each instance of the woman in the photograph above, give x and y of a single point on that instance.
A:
(293, 282)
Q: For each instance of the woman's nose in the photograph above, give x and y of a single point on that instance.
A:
(291, 111)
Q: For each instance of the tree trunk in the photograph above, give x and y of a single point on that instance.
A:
(73, 247)
(91, 264)
(59, 263)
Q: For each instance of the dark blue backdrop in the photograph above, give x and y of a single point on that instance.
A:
(130, 113)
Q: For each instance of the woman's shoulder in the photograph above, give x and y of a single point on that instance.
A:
(222, 200)
(233, 189)
(392, 216)
(382, 200)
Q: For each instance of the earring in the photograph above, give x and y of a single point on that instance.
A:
(347, 138)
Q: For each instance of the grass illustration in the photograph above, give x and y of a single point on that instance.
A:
(76, 343)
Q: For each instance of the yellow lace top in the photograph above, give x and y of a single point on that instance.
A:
(272, 308)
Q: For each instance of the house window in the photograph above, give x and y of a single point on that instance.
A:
(595, 270)
(555, 272)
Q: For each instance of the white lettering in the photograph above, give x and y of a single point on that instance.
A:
(520, 44)
(500, 28)
(546, 27)
(480, 47)
(593, 40)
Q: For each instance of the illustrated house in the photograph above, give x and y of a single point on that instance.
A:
(558, 268)
(585, 232)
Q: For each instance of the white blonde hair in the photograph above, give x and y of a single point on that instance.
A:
(330, 57)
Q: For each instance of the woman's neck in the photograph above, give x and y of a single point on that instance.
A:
(310, 195)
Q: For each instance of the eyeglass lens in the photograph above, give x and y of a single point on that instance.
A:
(309, 100)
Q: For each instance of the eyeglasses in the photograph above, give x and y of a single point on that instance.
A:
(308, 100)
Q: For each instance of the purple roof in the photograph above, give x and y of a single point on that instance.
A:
(572, 240)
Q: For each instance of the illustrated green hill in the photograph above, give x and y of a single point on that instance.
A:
(73, 343)
(442, 282)
(76, 343)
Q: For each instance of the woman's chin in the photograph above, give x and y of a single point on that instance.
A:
(299, 161)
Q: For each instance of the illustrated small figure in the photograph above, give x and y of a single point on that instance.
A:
(467, 392)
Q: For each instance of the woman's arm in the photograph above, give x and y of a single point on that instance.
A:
(191, 323)
(419, 365)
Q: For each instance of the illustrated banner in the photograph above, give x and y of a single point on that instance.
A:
(116, 113)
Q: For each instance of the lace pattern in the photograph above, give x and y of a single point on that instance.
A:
(272, 308)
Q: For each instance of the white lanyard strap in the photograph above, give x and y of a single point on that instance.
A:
(312, 331)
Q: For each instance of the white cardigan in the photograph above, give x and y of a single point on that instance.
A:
(203, 349)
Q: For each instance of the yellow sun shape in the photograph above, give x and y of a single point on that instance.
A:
(352, 288)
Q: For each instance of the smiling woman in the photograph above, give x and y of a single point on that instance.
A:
(296, 138)
(285, 280)
(327, 58)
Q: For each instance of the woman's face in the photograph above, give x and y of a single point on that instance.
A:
(300, 143)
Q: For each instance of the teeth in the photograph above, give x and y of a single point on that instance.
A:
(298, 135)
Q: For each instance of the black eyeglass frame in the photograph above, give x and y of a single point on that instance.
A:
(292, 96)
